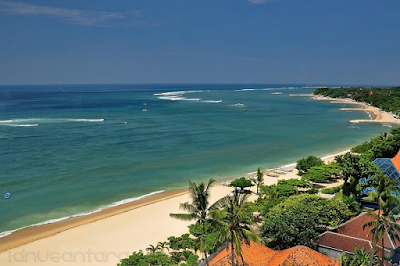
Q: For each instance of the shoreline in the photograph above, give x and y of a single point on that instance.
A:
(29, 234)
(376, 115)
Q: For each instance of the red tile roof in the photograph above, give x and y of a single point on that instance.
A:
(354, 228)
(258, 255)
(345, 243)
(396, 161)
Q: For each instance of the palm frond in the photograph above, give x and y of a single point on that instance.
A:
(183, 216)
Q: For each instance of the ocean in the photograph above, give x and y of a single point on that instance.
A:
(69, 150)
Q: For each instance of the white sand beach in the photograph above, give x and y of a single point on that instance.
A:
(108, 237)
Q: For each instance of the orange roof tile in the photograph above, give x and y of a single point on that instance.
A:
(258, 255)
(301, 255)
(396, 161)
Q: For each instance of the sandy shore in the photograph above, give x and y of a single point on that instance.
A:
(104, 238)
(377, 116)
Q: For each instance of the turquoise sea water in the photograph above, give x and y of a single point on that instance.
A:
(70, 150)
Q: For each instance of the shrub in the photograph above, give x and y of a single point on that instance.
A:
(332, 190)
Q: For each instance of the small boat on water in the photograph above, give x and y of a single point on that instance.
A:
(276, 93)
(7, 195)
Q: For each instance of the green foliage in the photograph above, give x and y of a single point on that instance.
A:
(210, 234)
(290, 230)
(241, 182)
(325, 212)
(332, 190)
(312, 191)
(303, 165)
(192, 260)
(140, 259)
(323, 173)
(283, 190)
(183, 242)
(385, 98)
(295, 183)
(259, 179)
(269, 204)
(353, 205)
(354, 167)
(360, 258)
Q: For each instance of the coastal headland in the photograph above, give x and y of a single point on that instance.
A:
(376, 115)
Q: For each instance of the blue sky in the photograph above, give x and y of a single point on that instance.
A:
(200, 41)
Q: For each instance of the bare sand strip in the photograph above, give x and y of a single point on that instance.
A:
(377, 116)
(105, 237)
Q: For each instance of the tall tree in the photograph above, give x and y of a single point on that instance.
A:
(197, 210)
(233, 222)
(384, 222)
(258, 181)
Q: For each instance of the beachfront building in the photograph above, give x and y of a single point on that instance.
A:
(350, 234)
(390, 166)
(256, 255)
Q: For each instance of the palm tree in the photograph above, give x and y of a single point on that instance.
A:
(162, 245)
(197, 210)
(259, 179)
(384, 136)
(386, 201)
(360, 258)
(152, 249)
(233, 223)
(381, 226)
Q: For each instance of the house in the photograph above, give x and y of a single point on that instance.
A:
(257, 255)
(351, 234)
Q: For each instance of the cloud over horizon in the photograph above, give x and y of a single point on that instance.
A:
(76, 16)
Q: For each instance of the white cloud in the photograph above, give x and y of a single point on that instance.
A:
(258, 1)
(76, 16)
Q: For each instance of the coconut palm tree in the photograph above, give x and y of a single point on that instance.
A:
(360, 258)
(162, 245)
(152, 249)
(197, 210)
(233, 223)
(258, 181)
(382, 225)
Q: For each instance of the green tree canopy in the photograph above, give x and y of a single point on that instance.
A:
(303, 165)
(140, 259)
(354, 167)
(322, 174)
(325, 212)
(290, 230)
(241, 182)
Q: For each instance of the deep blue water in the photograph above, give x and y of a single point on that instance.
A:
(70, 149)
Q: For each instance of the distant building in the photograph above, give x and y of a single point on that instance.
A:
(258, 255)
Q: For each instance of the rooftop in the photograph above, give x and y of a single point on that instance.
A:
(257, 255)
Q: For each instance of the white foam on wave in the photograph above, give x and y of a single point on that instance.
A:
(177, 98)
(246, 90)
(220, 101)
(121, 202)
(19, 125)
(32, 122)
(238, 105)
(175, 93)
